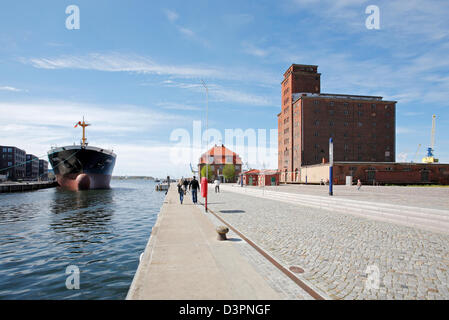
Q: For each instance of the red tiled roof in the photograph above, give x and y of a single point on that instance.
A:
(252, 171)
(220, 153)
(268, 171)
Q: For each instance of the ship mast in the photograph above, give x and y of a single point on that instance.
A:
(84, 125)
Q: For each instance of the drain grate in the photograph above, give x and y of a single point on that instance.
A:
(296, 269)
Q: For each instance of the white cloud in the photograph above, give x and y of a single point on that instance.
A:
(223, 94)
(12, 89)
(187, 32)
(171, 15)
(253, 50)
(404, 130)
(37, 126)
(178, 106)
(116, 62)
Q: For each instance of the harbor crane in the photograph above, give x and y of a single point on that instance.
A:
(430, 157)
(194, 172)
(416, 153)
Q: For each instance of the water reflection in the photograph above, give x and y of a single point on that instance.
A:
(81, 218)
(11, 211)
(102, 232)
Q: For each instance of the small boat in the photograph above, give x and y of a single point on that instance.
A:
(162, 187)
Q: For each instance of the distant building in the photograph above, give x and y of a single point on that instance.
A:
(378, 173)
(362, 127)
(32, 167)
(363, 130)
(43, 170)
(261, 178)
(12, 162)
(251, 177)
(217, 157)
(268, 178)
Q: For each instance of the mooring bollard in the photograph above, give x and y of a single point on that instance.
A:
(222, 230)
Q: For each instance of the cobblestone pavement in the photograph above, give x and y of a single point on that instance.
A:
(425, 197)
(286, 288)
(338, 251)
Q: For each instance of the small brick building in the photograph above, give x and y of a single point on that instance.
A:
(268, 178)
(377, 173)
(261, 178)
(217, 157)
(251, 177)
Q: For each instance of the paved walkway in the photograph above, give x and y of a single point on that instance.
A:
(183, 260)
(341, 253)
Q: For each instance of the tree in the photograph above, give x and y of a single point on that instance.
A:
(229, 172)
(210, 173)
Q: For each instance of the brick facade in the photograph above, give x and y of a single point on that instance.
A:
(32, 167)
(379, 173)
(217, 157)
(363, 127)
(14, 159)
(43, 170)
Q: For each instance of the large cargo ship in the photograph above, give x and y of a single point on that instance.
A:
(82, 167)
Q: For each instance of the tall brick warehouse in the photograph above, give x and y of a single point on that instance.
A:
(363, 127)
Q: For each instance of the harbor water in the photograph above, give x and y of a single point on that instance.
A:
(101, 233)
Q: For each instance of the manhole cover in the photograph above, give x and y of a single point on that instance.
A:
(296, 269)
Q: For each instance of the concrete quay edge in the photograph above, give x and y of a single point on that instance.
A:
(184, 260)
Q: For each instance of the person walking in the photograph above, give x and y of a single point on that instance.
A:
(217, 185)
(359, 184)
(180, 190)
(194, 186)
(186, 185)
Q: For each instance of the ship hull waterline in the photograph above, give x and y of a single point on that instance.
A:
(82, 168)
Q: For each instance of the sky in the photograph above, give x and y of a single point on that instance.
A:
(135, 70)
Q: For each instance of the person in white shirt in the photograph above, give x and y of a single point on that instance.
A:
(217, 185)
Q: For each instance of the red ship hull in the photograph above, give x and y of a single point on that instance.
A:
(83, 181)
